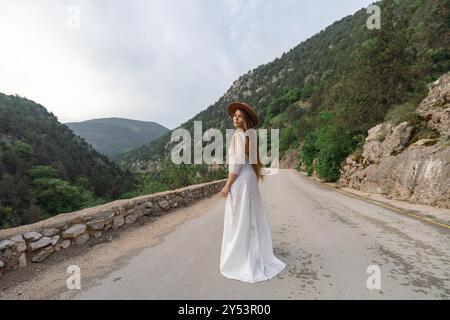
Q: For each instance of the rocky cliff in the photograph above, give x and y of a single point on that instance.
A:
(291, 158)
(403, 163)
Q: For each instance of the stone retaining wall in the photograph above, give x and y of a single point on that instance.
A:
(35, 242)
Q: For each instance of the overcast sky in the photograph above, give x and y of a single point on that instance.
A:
(150, 60)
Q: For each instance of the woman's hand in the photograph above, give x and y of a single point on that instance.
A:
(225, 190)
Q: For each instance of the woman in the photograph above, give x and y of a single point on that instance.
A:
(247, 253)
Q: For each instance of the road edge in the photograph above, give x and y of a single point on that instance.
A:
(413, 213)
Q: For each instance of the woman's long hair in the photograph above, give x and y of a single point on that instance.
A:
(257, 167)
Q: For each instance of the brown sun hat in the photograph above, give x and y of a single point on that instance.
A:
(246, 107)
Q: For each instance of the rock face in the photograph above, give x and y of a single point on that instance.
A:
(290, 159)
(435, 108)
(34, 243)
(391, 164)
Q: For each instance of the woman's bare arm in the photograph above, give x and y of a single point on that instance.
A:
(231, 178)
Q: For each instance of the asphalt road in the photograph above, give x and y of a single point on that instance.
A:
(331, 242)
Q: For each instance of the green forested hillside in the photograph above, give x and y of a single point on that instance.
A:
(45, 169)
(113, 136)
(326, 92)
(323, 94)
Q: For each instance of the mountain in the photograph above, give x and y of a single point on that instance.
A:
(325, 93)
(112, 136)
(45, 169)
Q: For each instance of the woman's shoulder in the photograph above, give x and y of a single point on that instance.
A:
(240, 134)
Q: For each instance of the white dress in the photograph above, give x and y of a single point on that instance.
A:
(247, 253)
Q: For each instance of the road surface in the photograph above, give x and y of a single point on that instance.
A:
(328, 241)
(332, 244)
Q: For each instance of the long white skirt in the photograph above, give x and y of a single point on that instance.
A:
(247, 253)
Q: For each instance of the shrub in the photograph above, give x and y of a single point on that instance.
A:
(401, 113)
